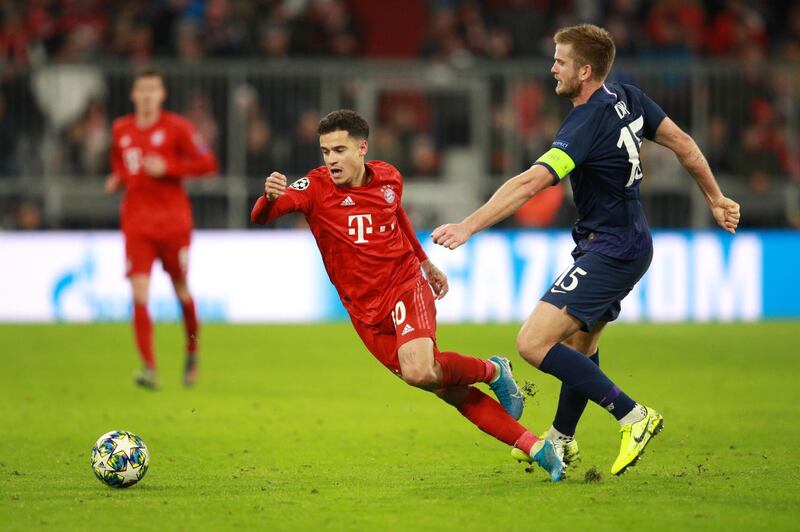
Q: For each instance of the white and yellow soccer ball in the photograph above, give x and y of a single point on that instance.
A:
(120, 459)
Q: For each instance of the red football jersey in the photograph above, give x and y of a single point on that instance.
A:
(369, 248)
(155, 206)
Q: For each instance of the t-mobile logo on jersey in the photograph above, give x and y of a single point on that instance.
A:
(363, 226)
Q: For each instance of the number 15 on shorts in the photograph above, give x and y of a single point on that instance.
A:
(568, 281)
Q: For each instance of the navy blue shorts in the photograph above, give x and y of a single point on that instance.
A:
(593, 287)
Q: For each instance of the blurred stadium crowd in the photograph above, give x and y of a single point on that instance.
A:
(451, 30)
(65, 70)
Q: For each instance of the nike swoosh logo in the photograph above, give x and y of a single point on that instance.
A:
(641, 436)
(557, 291)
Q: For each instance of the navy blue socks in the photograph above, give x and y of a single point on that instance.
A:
(571, 405)
(586, 378)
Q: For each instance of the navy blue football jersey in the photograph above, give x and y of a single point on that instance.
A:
(598, 146)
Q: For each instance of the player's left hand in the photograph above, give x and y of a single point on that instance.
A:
(726, 213)
(436, 278)
(154, 165)
(451, 235)
(113, 183)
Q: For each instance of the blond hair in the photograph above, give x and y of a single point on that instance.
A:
(591, 45)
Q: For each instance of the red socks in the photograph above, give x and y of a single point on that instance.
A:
(489, 416)
(460, 370)
(143, 330)
(526, 442)
(190, 325)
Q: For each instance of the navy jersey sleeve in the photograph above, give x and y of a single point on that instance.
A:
(572, 143)
(652, 112)
(576, 134)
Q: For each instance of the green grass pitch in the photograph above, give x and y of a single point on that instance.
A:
(298, 428)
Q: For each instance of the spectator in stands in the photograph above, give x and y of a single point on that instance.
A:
(424, 157)
(528, 24)
(624, 22)
(274, 39)
(385, 146)
(756, 162)
(304, 148)
(341, 31)
(499, 44)
(736, 26)
(258, 133)
(199, 110)
(88, 140)
(717, 147)
(27, 216)
(223, 31)
(187, 38)
(675, 27)
(444, 42)
(787, 40)
(15, 38)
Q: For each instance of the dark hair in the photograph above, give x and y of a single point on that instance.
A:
(148, 72)
(591, 45)
(344, 120)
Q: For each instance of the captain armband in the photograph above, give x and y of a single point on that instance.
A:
(557, 161)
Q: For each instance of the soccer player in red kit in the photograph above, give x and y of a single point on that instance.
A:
(152, 152)
(373, 258)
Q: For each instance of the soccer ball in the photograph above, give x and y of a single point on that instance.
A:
(120, 458)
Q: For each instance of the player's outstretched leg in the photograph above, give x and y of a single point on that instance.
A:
(491, 418)
(635, 435)
(544, 454)
(143, 331)
(638, 424)
(536, 344)
(571, 405)
(461, 370)
(565, 446)
(191, 326)
(506, 389)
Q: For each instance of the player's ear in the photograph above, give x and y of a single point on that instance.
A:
(586, 72)
(363, 147)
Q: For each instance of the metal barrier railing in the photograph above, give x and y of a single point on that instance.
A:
(454, 133)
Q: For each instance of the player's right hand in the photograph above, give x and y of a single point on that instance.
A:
(451, 235)
(275, 186)
(113, 183)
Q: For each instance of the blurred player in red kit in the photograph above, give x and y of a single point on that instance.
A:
(373, 258)
(152, 152)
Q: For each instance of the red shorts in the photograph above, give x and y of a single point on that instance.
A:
(414, 316)
(171, 250)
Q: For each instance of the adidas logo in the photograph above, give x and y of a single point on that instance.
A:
(347, 202)
(407, 329)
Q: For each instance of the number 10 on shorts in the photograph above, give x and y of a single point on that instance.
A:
(399, 313)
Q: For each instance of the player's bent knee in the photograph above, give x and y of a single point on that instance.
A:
(531, 349)
(424, 378)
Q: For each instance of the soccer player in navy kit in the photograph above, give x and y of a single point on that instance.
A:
(598, 146)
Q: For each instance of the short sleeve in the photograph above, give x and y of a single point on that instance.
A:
(299, 195)
(572, 143)
(653, 115)
(575, 136)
